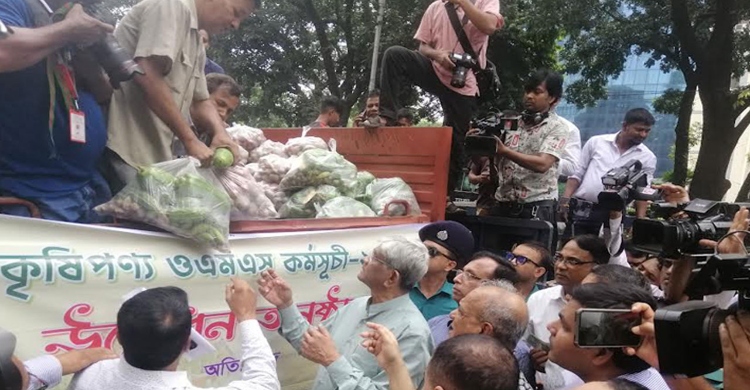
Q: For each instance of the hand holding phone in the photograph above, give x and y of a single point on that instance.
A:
(606, 328)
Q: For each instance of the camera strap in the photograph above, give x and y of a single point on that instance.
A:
(459, 29)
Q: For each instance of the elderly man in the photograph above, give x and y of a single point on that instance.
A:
(494, 309)
(390, 272)
(449, 245)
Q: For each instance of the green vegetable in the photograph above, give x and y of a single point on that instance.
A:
(223, 158)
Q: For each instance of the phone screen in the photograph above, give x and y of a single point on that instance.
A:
(606, 328)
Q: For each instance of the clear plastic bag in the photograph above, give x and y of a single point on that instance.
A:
(344, 207)
(273, 192)
(177, 196)
(359, 190)
(272, 168)
(299, 145)
(267, 148)
(385, 191)
(302, 203)
(249, 200)
(317, 167)
(247, 137)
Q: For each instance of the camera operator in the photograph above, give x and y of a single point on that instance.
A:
(45, 157)
(433, 67)
(529, 156)
(599, 155)
(147, 114)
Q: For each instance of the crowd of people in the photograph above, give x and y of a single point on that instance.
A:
(441, 313)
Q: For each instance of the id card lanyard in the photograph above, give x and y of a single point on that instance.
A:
(60, 74)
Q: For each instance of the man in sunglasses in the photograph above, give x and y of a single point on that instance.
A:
(449, 245)
(45, 371)
(531, 260)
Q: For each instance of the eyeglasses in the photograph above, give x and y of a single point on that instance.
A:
(369, 258)
(518, 259)
(433, 252)
(469, 275)
(559, 258)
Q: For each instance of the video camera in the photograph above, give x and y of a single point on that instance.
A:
(687, 333)
(625, 184)
(118, 65)
(672, 238)
(464, 62)
(493, 125)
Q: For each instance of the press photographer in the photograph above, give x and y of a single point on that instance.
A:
(50, 146)
(600, 155)
(529, 155)
(444, 65)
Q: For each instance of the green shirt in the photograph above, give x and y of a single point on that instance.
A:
(440, 303)
(357, 368)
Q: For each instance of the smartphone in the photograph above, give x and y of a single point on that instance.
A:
(606, 328)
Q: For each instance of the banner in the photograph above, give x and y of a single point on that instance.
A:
(63, 284)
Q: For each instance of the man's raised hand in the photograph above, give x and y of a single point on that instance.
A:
(275, 289)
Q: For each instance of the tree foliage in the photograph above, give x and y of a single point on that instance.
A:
(294, 52)
(703, 39)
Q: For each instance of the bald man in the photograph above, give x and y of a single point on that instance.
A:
(495, 309)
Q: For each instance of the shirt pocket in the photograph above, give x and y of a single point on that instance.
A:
(182, 78)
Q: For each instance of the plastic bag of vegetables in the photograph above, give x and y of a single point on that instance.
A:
(302, 203)
(359, 190)
(344, 207)
(299, 145)
(273, 192)
(272, 168)
(267, 148)
(177, 196)
(385, 191)
(317, 167)
(247, 137)
(249, 200)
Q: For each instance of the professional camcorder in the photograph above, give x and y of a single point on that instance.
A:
(491, 126)
(118, 65)
(672, 238)
(463, 63)
(625, 184)
(687, 334)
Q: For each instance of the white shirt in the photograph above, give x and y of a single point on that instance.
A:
(599, 155)
(648, 378)
(44, 371)
(572, 153)
(544, 308)
(258, 370)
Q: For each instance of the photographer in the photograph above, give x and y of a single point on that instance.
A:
(529, 156)
(433, 69)
(147, 114)
(45, 157)
(599, 155)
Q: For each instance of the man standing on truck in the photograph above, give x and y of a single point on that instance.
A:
(529, 157)
(147, 114)
(50, 147)
(432, 67)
